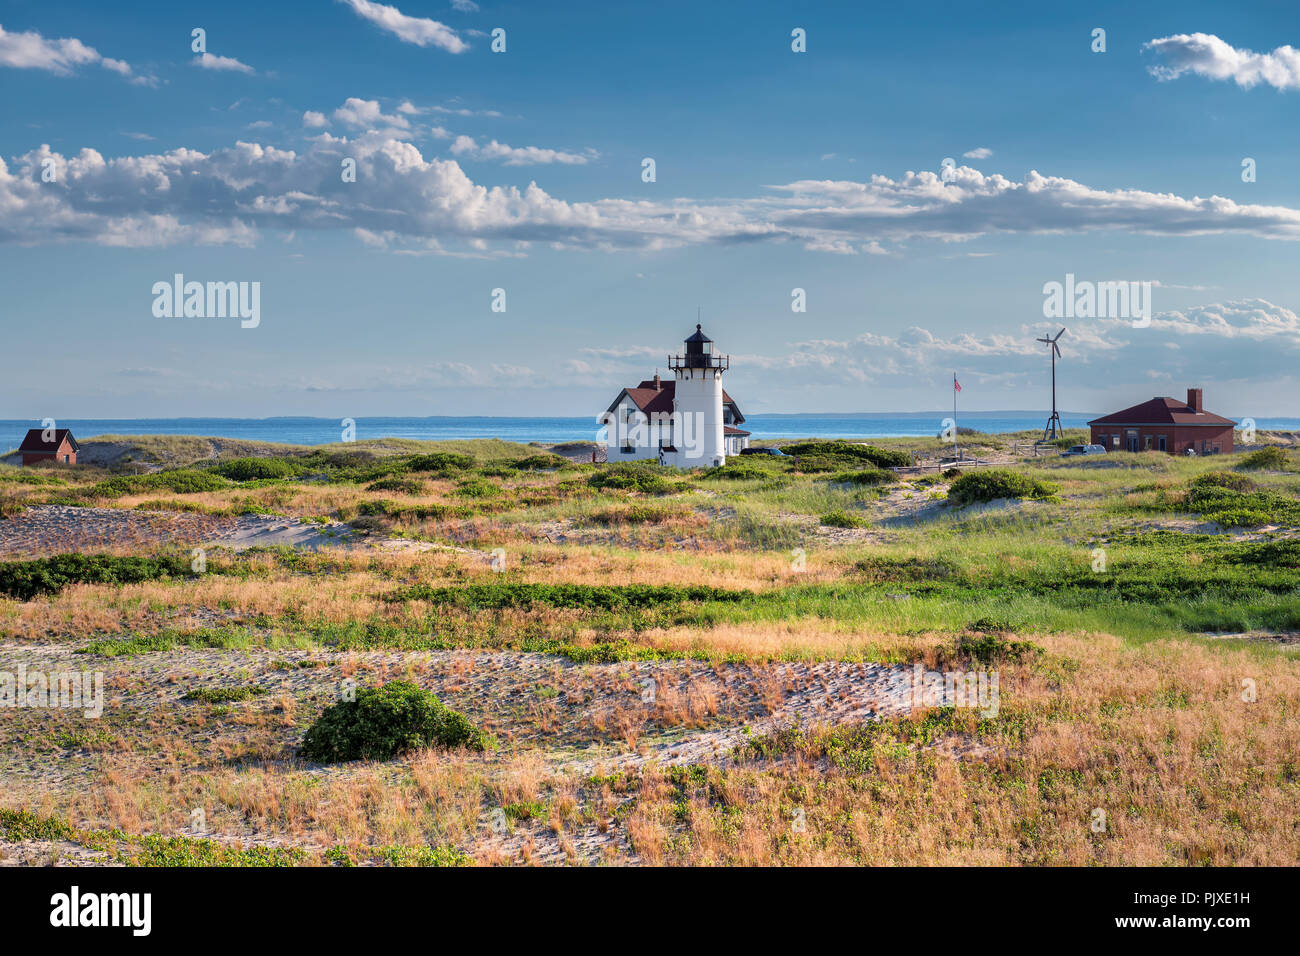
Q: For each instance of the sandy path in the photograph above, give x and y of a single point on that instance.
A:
(56, 529)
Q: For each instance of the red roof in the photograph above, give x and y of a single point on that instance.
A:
(728, 430)
(35, 443)
(650, 399)
(1162, 411)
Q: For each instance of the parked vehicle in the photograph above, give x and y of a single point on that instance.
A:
(1084, 450)
(775, 452)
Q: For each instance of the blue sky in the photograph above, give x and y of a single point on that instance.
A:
(522, 170)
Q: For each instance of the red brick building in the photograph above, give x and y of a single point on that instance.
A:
(61, 448)
(1165, 424)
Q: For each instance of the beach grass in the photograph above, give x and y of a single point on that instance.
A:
(1130, 611)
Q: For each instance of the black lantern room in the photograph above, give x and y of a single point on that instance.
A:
(699, 354)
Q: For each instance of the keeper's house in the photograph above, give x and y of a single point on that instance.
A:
(60, 447)
(1165, 424)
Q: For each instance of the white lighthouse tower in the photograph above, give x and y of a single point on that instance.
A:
(697, 403)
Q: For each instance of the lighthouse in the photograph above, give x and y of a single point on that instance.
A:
(687, 422)
(697, 401)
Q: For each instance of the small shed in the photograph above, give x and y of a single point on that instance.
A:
(60, 447)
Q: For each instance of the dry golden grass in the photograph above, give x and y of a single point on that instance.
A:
(1158, 738)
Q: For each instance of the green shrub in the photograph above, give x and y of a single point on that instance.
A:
(1241, 509)
(883, 568)
(1271, 458)
(1223, 479)
(383, 722)
(819, 464)
(477, 488)
(406, 486)
(250, 469)
(990, 484)
(842, 519)
(441, 462)
(631, 478)
(995, 649)
(866, 476)
(540, 463)
(26, 579)
(841, 450)
(183, 481)
(602, 597)
(737, 472)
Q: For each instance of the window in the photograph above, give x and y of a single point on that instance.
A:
(1161, 443)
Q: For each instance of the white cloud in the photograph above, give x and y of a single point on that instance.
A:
(229, 194)
(313, 120)
(464, 6)
(366, 114)
(462, 111)
(31, 51)
(209, 61)
(1247, 338)
(418, 30)
(1206, 55)
(980, 152)
(519, 155)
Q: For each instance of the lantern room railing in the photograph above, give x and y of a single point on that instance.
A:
(699, 360)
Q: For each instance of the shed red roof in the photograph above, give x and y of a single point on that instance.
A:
(1162, 411)
(35, 443)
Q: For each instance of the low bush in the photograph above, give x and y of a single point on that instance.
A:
(880, 457)
(866, 476)
(477, 488)
(601, 597)
(1223, 479)
(182, 481)
(441, 462)
(540, 463)
(842, 519)
(251, 469)
(990, 484)
(631, 478)
(1266, 459)
(406, 486)
(24, 580)
(736, 472)
(383, 722)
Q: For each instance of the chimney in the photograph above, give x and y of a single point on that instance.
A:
(658, 384)
(1194, 400)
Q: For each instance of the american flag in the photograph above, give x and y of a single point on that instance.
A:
(956, 385)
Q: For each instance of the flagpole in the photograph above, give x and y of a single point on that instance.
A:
(954, 415)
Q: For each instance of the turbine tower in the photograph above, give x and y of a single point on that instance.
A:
(1053, 423)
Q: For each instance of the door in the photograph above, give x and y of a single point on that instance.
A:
(1132, 442)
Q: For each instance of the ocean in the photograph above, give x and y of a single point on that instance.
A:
(322, 431)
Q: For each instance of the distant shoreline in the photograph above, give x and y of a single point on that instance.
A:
(558, 430)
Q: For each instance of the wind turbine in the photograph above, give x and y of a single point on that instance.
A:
(1053, 423)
